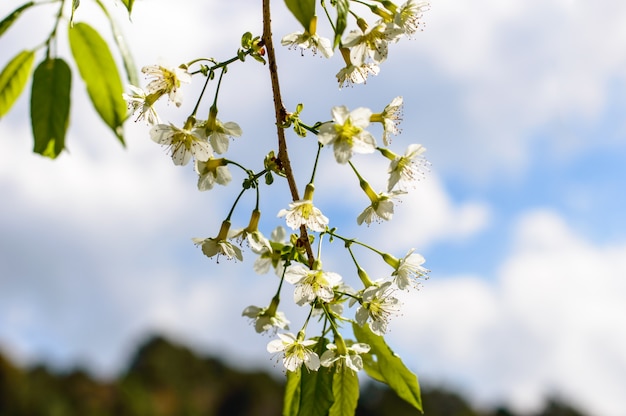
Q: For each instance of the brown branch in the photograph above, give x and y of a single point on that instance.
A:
(281, 116)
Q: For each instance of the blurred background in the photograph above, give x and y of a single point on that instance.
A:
(521, 220)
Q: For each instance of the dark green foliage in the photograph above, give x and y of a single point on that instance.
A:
(50, 106)
(379, 400)
(555, 407)
(167, 379)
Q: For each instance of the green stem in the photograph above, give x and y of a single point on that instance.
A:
(52, 35)
(360, 271)
(218, 65)
(371, 194)
(217, 89)
(306, 323)
(232, 209)
(349, 241)
(317, 156)
(309, 128)
(206, 82)
(330, 20)
(230, 162)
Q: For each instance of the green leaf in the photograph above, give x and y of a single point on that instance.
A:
(346, 393)
(370, 365)
(303, 10)
(50, 106)
(129, 5)
(6, 23)
(122, 46)
(99, 71)
(291, 401)
(395, 373)
(316, 392)
(343, 8)
(13, 79)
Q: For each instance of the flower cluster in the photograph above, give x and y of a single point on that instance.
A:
(329, 298)
(365, 48)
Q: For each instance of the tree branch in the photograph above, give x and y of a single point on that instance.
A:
(281, 116)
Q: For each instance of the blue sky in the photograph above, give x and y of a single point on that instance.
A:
(520, 105)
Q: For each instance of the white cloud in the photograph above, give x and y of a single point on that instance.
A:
(515, 69)
(428, 214)
(547, 323)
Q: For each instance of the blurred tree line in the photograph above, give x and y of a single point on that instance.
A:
(168, 379)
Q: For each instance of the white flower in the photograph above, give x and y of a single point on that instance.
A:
(139, 101)
(182, 143)
(377, 306)
(347, 133)
(219, 133)
(356, 74)
(165, 80)
(372, 43)
(210, 172)
(307, 41)
(216, 247)
(407, 268)
(272, 256)
(255, 239)
(390, 119)
(311, 283)
(296, 352)
(409, 167)
(304, 212)
(351, 360)
(263, 263)
(268, 259)
(381, 208)
(408, 16)
(264, 320)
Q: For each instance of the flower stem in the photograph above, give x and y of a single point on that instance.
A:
(349, 241)
(232, 209)
(371, 194)
(317, 157)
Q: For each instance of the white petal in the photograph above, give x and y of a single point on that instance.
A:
(340, 114)
(361, 117)
(276, 345)
(232, 129)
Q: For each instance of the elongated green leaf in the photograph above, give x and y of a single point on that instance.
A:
(303, 10)
(13, 79)
(122, 46)
(291, 401)
(6, 23)
(316, 392)
(99, 71)
(391, 367)
(50, 106)
(343, 7)
(346, 393)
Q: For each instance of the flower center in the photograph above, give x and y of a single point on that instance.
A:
(347, 131)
